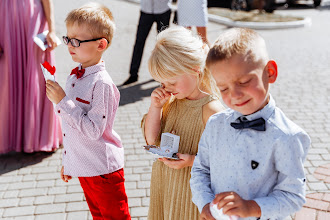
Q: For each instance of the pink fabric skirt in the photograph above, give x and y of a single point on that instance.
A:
(27, 119)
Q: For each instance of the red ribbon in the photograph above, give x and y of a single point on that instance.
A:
(48, 67)
(77, 72)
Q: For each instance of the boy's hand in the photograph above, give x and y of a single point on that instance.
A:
(65, 178)
(232, 204)
(206, 214)
(54, 92)
(159, 97)
(186, 160)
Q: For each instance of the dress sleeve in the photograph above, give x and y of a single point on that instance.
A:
(288, 195)
(92, 123)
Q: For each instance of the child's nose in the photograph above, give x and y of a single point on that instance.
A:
(236, 93)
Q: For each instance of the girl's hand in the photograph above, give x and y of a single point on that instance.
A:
(65, 178)
(186, 160)
(159, 97)
(51, 40)
(206, 214)
(54, 92)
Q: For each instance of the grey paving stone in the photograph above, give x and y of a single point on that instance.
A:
(46, 169)
(55, 216)
(26, 201)
(29, 178)
(77, 206)
(29, 217)
(48, 176)
(72, 197)
(130, 185)
(74, 189)
(136, 193)
(77, 215)
(134, 202)
(19, 211)
(318, 186)
(139, 211)
(143, 185)
(11, 194)
(10, 179)
(51, 208)
(45, 183)
(39, 200)
(5, 203)
(22, 185)
(33, 192)
(145, 201)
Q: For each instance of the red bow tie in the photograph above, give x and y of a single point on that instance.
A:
(78, 73)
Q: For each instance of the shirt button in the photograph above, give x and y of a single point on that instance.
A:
(64, 135)
(103, 116)
(72, 84)
(59, 111)
(64, 152)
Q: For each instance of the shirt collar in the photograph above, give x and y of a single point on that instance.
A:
(264, 113)
(93, 69)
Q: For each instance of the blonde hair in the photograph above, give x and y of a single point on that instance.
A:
(177, 52)
(97, 17)
(242, 41)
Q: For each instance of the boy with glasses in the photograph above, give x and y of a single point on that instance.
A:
(93, 151)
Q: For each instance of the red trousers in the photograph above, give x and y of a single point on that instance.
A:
(106, 196)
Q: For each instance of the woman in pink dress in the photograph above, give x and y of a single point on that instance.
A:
(27, 119)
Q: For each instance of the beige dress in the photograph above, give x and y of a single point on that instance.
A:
(170, 194)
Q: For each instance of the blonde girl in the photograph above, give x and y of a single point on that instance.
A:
(184, 102)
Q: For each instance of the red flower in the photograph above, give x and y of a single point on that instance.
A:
(48, 67)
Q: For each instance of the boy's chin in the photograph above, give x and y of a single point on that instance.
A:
(245, 111)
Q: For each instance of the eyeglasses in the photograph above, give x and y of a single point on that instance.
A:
(75, 42)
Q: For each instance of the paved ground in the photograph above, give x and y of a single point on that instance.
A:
(30, 187)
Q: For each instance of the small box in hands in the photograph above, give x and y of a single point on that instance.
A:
(169, 146)
(171, 141)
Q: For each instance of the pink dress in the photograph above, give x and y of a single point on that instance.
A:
(27, 119)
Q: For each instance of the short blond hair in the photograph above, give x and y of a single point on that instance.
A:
(177, 52)
(242, 41)
(97, 17)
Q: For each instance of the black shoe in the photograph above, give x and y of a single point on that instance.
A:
(130, 80)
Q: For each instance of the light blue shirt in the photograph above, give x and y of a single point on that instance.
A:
(266, 166)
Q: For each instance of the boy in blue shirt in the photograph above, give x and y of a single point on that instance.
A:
(250, 157)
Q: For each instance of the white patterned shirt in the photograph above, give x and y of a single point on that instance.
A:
(91, 146)
(266, 166)
(155, 6)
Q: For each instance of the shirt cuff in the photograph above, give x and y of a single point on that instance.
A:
(65, 104)
(269, 207)
(203, 200)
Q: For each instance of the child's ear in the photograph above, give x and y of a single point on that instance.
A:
(102, 44)
(271, 69)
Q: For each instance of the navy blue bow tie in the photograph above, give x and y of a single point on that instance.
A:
(257, 124)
